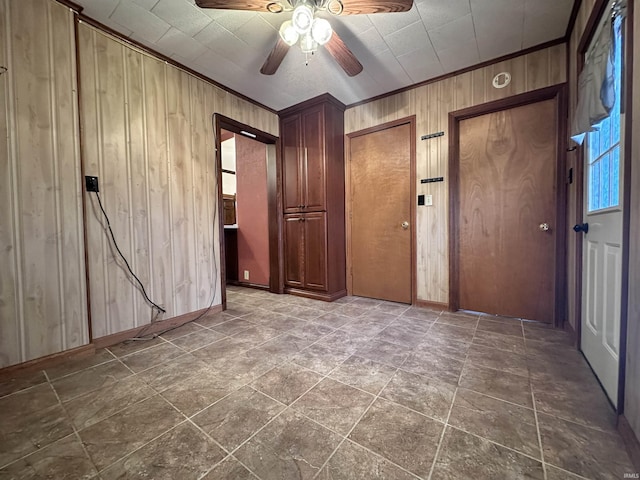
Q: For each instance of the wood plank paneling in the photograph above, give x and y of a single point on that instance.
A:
(431, 104)
(42, 284)
(148, 134)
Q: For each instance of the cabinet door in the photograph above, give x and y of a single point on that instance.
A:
(313, 156)
(292, 171)
(315, 250)
(293, 250)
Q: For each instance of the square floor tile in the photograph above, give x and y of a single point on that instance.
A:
(445, 346)
(197, 340)
(352, 462)
(76, 364)
(498, 359)
(466, 456)
(320, 358)
(364, 374)
(198, 392)
(381, 351)
(93, 378)
(433, 365)
(20, 381)
(182, 453)
(583, 450)
(405, 336)
(99, 404)
(426, 395)
(291, 447)
(63, 459)
(504, 328)
(505, 423)
(286, 383)
(509, 343)
(152, 356)
(399, 434)
(334, 405)
(235, 418)
(229, 469)
(502, 385)
(112, 438)
(461, 334)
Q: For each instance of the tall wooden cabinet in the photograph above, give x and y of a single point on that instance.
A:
(312, 136)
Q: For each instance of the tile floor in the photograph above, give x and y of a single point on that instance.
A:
(282, 387)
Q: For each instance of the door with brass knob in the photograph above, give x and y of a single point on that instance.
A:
(381, 217)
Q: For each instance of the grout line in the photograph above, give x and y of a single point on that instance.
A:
(535, 414)
(73, 427)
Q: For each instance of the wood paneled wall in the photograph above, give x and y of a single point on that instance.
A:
(148, 136)
(431, 104)
(42, 272)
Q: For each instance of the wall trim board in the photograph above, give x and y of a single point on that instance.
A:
(151, 328)
(411, 121)
(274, 199)
(504, 58)
(432, 305)
(72, 5)
(557, 92)
(250, 285)
(630, 440)
(47, 361)
(81, 151)
(325, 297)
(572, 20)
(81, 17)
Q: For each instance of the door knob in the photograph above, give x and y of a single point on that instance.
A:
(405, 225)
(544, 227)
(581, 227)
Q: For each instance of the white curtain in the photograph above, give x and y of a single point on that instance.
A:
(596, 83)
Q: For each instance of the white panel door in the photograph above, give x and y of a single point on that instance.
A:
(602, 247)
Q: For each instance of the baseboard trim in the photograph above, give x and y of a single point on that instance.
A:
(630, 440)
(47, 361)
(115, 338)
(325, 297)
(255, 286)
(432, 305)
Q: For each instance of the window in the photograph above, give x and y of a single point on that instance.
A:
(603, 145)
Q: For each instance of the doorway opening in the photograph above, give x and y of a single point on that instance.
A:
(247, 200)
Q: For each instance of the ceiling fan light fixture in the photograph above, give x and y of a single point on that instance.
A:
(302, 18)
(308, 44)
(288, 33)
(321, 31)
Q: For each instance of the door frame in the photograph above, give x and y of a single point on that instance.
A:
(411, 121)
(274, 207)
(597, 12)
(557, 93)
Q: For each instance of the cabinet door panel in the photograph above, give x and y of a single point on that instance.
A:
(292, 183)
(313, 156)
(315, 250)
(293, 250)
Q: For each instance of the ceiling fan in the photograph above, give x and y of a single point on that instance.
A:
(309, 30)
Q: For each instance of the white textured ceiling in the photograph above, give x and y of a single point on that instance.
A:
(396, 49)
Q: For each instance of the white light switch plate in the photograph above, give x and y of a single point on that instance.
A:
(428, 200)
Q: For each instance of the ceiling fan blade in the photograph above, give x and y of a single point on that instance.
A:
(355, 7)
(343, 55)
(273, 6)
(275, 58)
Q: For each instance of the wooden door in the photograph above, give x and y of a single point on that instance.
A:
(313, 155)
(380, 164)
(292, 172)
(315, 250)
(293, 250)
(507, 214)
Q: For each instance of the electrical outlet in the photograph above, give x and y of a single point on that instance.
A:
(246, 274)
(91, 184)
